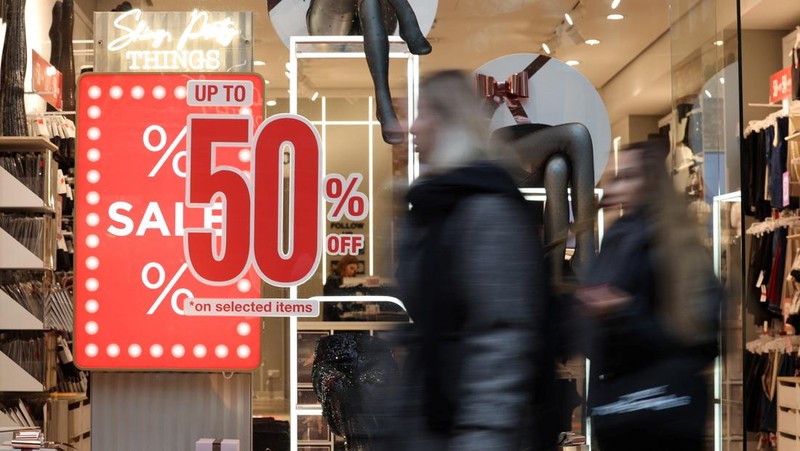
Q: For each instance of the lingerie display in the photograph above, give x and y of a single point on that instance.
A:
(350, 374)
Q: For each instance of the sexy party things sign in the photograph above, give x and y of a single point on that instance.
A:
(133, 217)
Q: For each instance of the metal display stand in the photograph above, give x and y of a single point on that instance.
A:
(340, 47)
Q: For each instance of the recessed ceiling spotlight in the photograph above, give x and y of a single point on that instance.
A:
(546, 48)
(568, 18)
(259, 63)
(708, 93)
(272, 102)
(573, 62)
(314, 96)
(719, 43)
(592, 42)
(615, 17)
(722, 80)
(615, 4)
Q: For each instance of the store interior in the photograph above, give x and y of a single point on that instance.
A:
(657, 65)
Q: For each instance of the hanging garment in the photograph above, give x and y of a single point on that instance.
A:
(777, 272)
(796, 72)
(758, 274)
(774, 138)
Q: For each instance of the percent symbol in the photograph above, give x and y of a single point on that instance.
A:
(159, 282)
(159, 146)
(345, 197)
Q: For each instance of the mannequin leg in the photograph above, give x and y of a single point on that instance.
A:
(330, 17)
(556, 213)
(376, 46)
(409, 28)
(574, 141)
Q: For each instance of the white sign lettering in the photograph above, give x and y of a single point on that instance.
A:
(134, 29)
(197, 41)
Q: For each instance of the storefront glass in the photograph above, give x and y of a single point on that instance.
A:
(696, 71)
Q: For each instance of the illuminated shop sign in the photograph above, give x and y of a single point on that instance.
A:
(196, 41)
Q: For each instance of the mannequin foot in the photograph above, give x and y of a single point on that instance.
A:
(417, 44)
(393, 133)
(391, 130)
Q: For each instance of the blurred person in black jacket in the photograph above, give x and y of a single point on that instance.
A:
(654, 308)
(474, 281)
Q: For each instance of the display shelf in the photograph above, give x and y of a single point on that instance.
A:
(15, 195)
(15, 316)
(13, 192)
(16, 379)
(788, 413)
(17, 256)
(68, 419)
(26, 144)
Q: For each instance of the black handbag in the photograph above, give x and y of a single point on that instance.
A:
(667, 397)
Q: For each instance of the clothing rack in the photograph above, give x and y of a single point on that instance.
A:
(782, 344)
(769, 121)
(787, 218)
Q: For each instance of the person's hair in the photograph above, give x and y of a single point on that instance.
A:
(681, 258)
(463, 137)
(342, 264)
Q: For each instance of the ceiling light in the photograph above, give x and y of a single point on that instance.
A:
(259, 63)
(708, 94)
(546, 48)
(615, 17)
(592, 42)
(719, 43)
(615, 4)
(266, 82)
(569, 19)
(314, 96)
(573, 62)
(722, 80)
(271, 102)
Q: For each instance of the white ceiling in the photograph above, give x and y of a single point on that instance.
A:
(469, 33)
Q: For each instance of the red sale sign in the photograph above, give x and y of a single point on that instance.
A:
(153, 173)
(46, 80)
(780, 85)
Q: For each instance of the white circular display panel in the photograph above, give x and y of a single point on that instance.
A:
(289, 17)
(558, 94)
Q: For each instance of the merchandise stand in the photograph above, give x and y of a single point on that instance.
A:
(340, 47)
(299, 408)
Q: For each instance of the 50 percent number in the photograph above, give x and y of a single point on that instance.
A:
(283, 253)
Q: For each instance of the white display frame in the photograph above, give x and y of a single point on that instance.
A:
(716, 237)
(296, 53)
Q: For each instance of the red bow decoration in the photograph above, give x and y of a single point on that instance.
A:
(515, 87)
